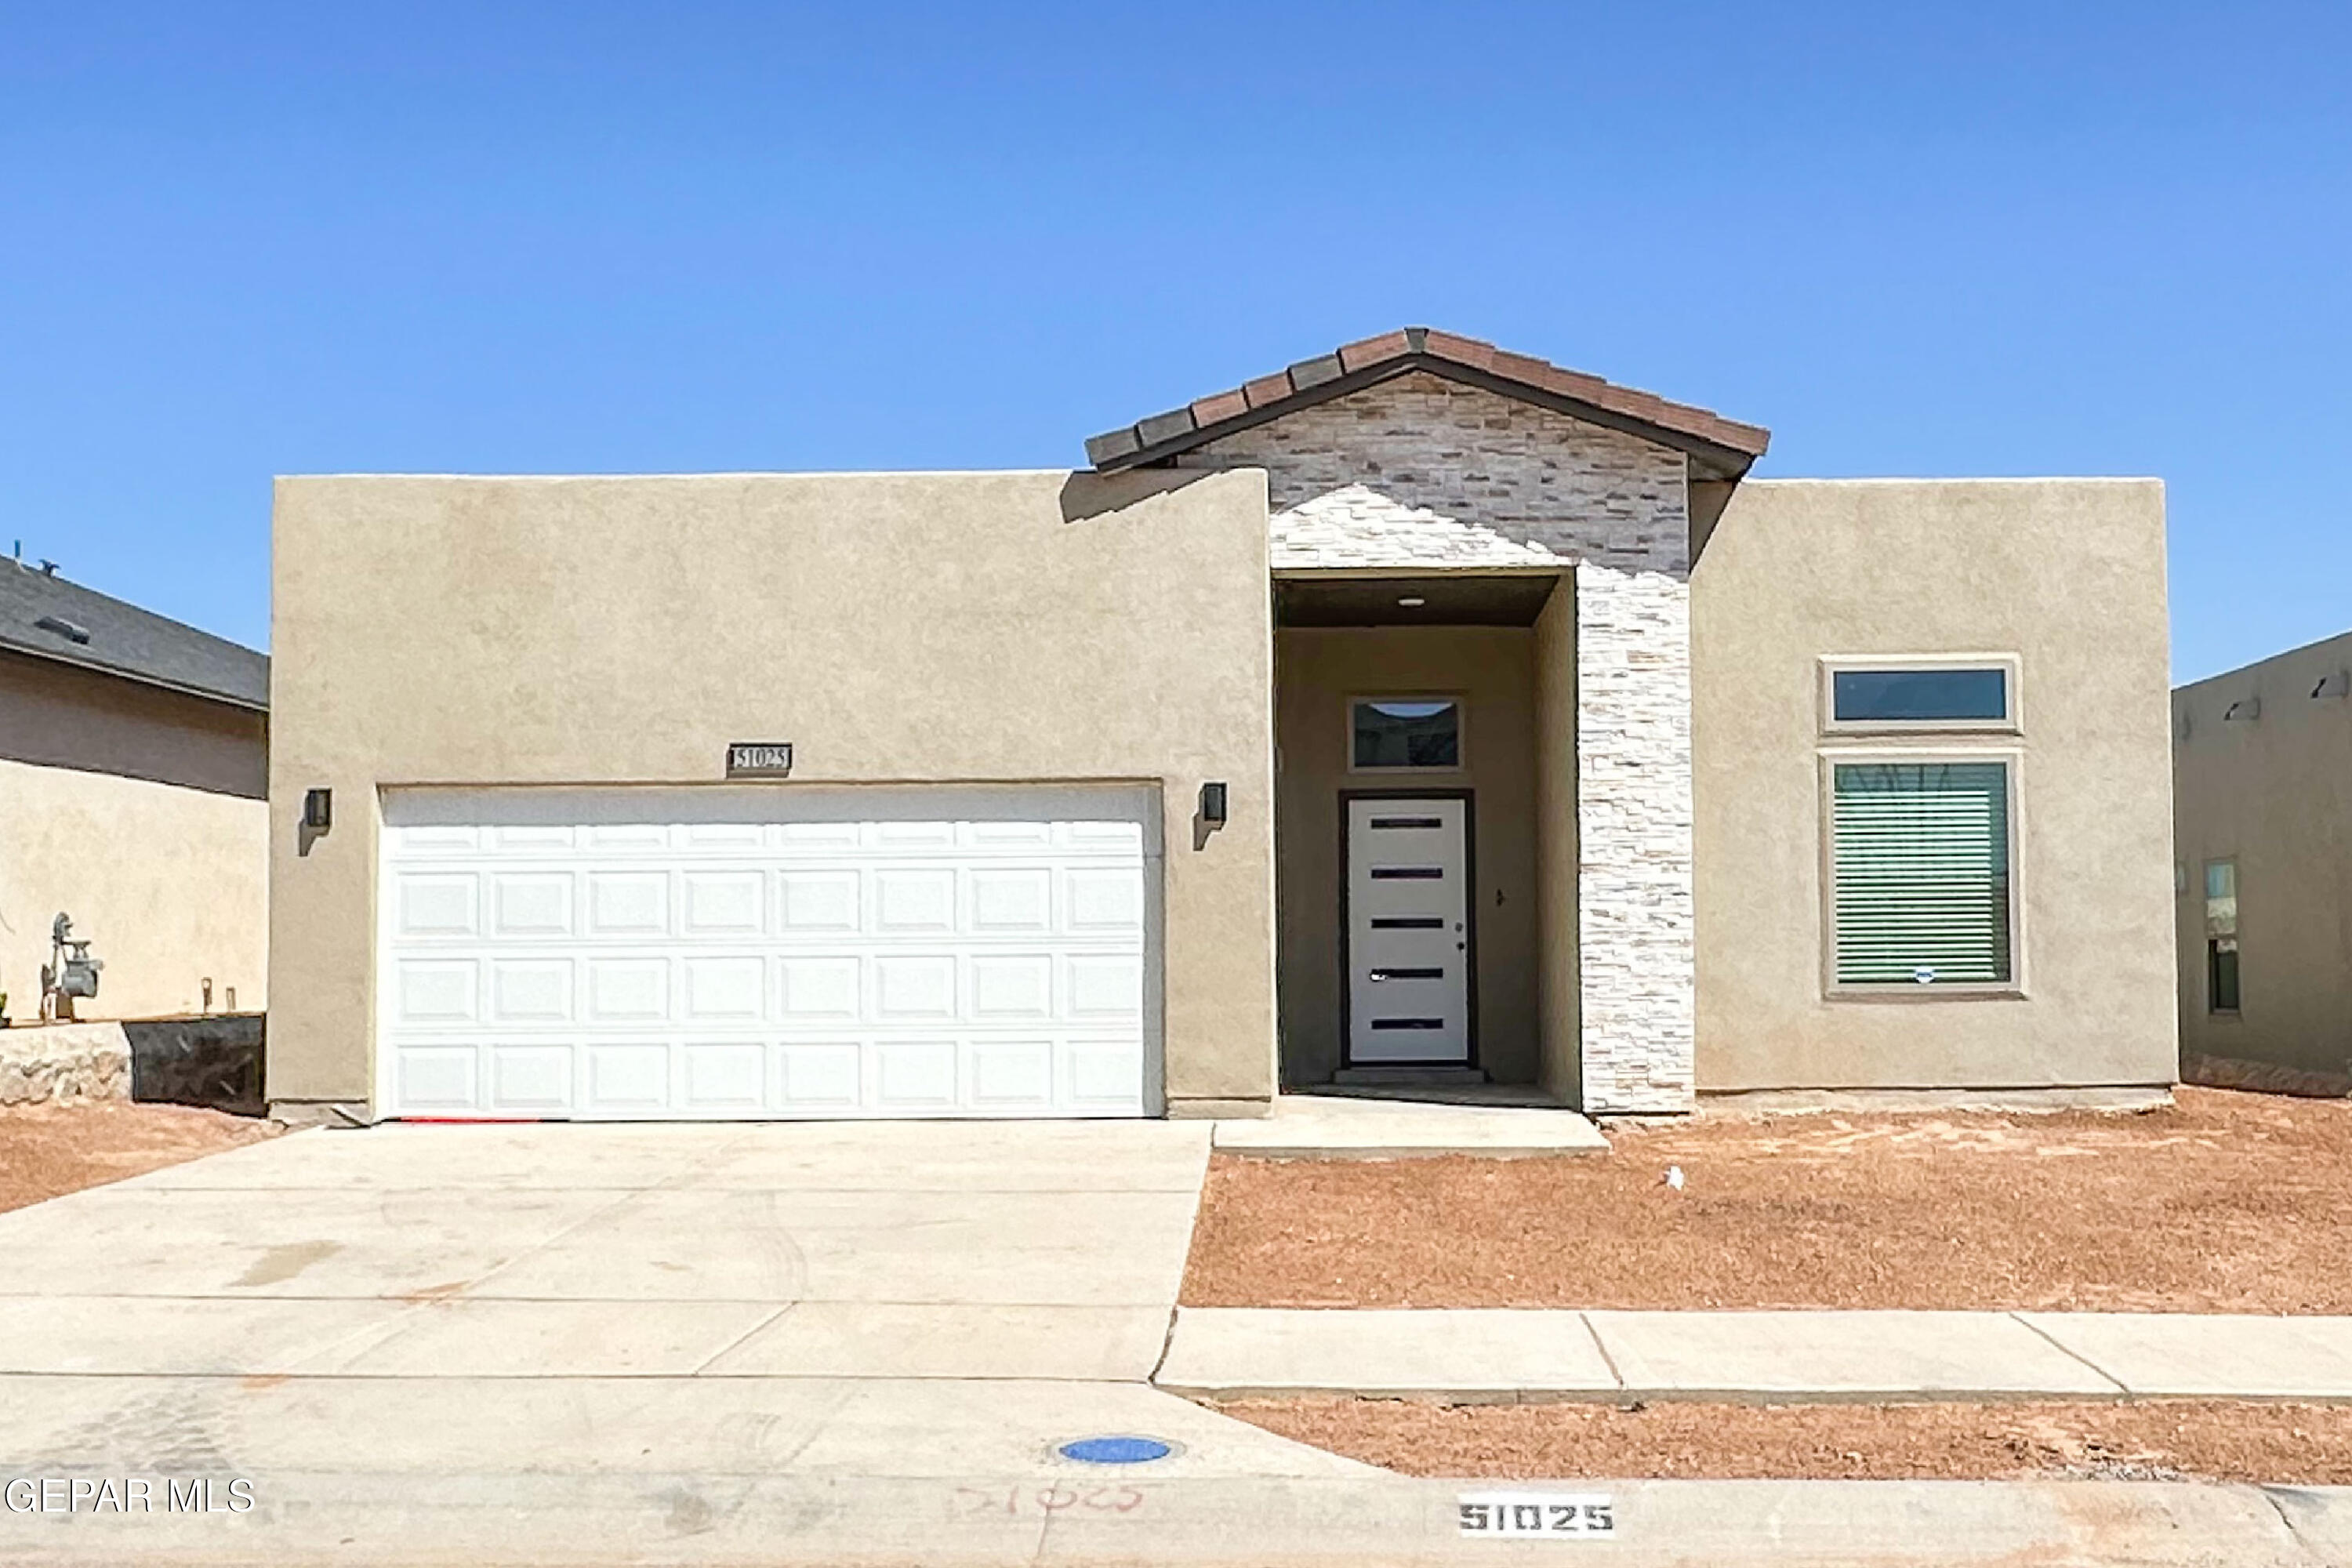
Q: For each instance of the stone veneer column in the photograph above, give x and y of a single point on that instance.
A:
(1633, 831)
(1422, 473)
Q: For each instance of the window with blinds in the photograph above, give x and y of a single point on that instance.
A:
(1920, 858)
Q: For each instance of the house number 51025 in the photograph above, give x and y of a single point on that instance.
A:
(1510, 1515)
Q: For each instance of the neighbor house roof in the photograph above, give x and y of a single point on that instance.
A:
(45, 616)
(1718, 448)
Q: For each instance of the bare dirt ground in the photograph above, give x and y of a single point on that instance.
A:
(2225, 1202)
(2304, 1445)
(47, 1151)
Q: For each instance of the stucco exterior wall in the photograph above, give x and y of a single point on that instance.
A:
(2068, 575)
(2272, 790)
(1489, 670)
(1423, 472)
(1003, 627)
(169, 884)
(58, 715)
(1560, 1044)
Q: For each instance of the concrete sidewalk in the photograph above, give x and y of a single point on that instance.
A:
(1474, 1356)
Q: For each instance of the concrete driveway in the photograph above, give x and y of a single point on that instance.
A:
(386, 1328)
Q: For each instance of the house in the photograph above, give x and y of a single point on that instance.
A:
(133, 801)
(1424, 711)
(2262, 829)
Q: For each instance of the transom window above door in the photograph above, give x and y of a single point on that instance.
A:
(1405, 732)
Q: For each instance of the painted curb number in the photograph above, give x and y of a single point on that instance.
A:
(1502, 1515)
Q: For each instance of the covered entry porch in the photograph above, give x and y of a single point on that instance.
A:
(1425, 828)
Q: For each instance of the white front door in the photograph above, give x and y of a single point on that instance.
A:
(768, 952)
(1408, 931)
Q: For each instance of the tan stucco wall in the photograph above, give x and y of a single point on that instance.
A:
(2069, 575)
(1491, 670)
(2272, 792)
(60, 716)
(896, 628)
(1559, 989)
(168, 884)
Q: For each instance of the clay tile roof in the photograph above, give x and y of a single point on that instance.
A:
(1720, 448)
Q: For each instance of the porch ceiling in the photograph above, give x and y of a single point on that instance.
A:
(1455, 599)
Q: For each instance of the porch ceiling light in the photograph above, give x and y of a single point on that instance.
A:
(1413, 602)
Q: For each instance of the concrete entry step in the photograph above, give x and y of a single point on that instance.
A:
(1408, 1077)
(1333, 1127)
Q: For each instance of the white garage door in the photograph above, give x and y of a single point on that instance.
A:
(768, 952)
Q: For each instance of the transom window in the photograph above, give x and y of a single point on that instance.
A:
(1920, 874)
(1921, 695)
(1406, 732)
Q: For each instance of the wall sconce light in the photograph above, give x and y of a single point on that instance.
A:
(1212, 804)
(2243, 709)
(317, 809)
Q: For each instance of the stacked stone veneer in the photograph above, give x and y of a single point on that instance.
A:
(1420, 471)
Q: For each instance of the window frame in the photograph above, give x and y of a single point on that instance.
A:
(2012, 686)
(2017, 986)
(2237, 934)
(1460, 763)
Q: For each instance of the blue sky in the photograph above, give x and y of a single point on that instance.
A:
(243, 240)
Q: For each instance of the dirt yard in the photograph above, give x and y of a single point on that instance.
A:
(2279, 1444)
(49, 1150)
(2226, 1202)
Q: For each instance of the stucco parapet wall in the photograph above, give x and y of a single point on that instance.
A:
(63, 1063)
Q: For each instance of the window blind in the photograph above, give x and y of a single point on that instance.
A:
(1921, 860)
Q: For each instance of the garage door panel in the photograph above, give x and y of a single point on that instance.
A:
(1008, 986)
(1010, 1074)
(1098, 1073)
(822, 988)
(533, 839)
(1105, 984)
(628, 903)
(531, 1078)
(624, 1076)
(914, 985)
(628, 990)
(819, 901)
(435, 904)
(726, 1075)
(531, 905)
(917, 900)
(914, 1075)
(437, 1078)
(820, 1074)
(910, 964)
(1103, 900)
(428, 991)
(1010, 901)
(531, 990)
(725, 903)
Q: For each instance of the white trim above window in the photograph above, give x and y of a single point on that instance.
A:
(1944, 693)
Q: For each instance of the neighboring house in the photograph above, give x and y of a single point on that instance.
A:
(1421, 711)
(2262, 826)
(133, 798)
